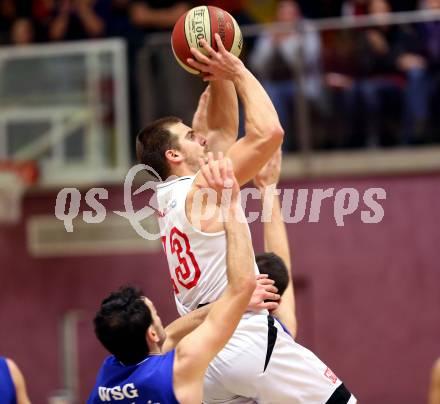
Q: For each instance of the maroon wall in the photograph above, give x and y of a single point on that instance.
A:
(368, 294)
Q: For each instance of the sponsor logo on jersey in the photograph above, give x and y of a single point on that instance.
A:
(330, 375)
(118, 392)
(170, 206)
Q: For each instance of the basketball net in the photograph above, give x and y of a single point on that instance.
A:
(12, 188)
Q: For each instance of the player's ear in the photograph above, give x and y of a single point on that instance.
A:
(152, 335)
(174, 156)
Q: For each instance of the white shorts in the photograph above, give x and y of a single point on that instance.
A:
(248, 370)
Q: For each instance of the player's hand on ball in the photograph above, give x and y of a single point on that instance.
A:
(221, 65)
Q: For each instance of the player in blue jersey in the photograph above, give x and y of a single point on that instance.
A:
(151, 365)
(12, 384)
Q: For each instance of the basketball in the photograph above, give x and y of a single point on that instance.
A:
(202, 23)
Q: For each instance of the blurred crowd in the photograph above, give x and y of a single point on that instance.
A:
(372, 86)
(366, 87)
(28, 21)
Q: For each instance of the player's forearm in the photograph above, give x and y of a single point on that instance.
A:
(275, 233)
(183, 326)
(223, 108)
(240, 255)
(276, 241)
(261, 118)
(93, 24)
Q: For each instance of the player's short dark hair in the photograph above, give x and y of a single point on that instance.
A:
(121, 324)
(153, 141)
(272, 265)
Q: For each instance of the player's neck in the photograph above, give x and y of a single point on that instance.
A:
(154, 349)
(182, 171)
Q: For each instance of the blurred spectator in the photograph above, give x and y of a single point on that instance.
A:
(77, 19)
(261, 11)
(152, 15)
(403, 5)
(389, 64)
(392, 60)
(430, 38)
(355, 7)
(237, 8)
(42, 12)
(320, 8)
(161, 74)
(341, 56)
(280, 59)
(119, 23)
(8, 13)
(22, 32)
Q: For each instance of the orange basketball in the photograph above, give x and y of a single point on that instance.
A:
(202, 23)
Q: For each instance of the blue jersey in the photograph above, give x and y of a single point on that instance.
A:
(7, 388)
(150, 381)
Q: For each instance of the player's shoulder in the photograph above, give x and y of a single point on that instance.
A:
(13, 368)
(15, 372)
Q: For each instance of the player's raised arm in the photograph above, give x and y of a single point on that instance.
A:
(275, 237)
(196, 350)
(263, 132)
(217, 115)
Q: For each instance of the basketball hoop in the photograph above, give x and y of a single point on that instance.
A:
(15, 177)
(12, 188)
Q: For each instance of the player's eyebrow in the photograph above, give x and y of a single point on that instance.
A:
(189, 133)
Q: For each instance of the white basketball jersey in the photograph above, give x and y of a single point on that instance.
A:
(197, 263)
(196, 260)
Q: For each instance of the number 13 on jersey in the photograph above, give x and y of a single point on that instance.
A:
(187, 272)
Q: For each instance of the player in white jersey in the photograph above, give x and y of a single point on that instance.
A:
(261, 362)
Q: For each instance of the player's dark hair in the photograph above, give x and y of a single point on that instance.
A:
(121, 324)
(272, 265)
(153, 141)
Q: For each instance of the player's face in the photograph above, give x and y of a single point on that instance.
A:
(193, 145)
(157, 322)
